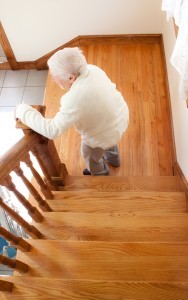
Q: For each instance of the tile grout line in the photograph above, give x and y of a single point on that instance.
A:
(3, 82)
(25, 86)
(43, 86)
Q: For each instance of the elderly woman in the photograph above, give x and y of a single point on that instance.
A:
(92, 103)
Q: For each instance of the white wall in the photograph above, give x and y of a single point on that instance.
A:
(179, 109)
(36, 27)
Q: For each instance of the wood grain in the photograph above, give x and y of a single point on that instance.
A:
(122, 236)
(16, 153)
(119, 39)
(120, 184)
(56, 288)
(138, 69)
(5, 286)
(145, 202)
(101, 260)
(125, 226)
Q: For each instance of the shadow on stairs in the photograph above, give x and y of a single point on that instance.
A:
(109, 238)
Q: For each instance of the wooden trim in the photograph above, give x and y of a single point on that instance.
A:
(7, 49)
(167, 93)
(41, 63)
(27, 65)
(5, 66)
(101, 39)
(182, 179)
(120, 39)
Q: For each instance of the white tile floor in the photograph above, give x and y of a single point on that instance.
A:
(26, 86)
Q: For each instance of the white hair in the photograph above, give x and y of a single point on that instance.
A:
(66, 62)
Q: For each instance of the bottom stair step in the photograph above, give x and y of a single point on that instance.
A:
(41, 289)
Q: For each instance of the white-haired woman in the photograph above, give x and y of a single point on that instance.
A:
(92, 103)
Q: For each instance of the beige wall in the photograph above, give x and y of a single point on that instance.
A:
(179, 109)
(36, 27)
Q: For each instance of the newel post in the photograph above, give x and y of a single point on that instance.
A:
(48, 155)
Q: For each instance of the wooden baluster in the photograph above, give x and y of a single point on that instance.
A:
(44, 170)
(43, 187)
(15, 241)
(60, 168)
(43, 204)
(5, 286)
(30, 229)
(13, 264)
(32, 211)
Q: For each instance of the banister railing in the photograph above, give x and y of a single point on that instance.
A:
(54, 174)
(15, 241)
(30, 229)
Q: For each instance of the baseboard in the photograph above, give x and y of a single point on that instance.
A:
(183, 181)
(167, 93)
(119, 39)
(5, 66)
(41, 63)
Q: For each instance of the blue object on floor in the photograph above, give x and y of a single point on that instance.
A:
(11, 251)
(3, 243)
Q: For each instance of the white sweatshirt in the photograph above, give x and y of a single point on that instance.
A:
(92, 104)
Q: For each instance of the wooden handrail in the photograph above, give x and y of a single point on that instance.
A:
(54, 175)
(50, 164)
(46, 152)
(15, 154)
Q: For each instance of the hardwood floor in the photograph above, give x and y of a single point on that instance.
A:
(146, 148)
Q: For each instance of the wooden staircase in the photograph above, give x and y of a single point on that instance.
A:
(109, 238)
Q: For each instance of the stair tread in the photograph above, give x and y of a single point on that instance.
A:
(117, 202)
(55, 288)
(114, 183)
(107, 260)
(114, 226)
